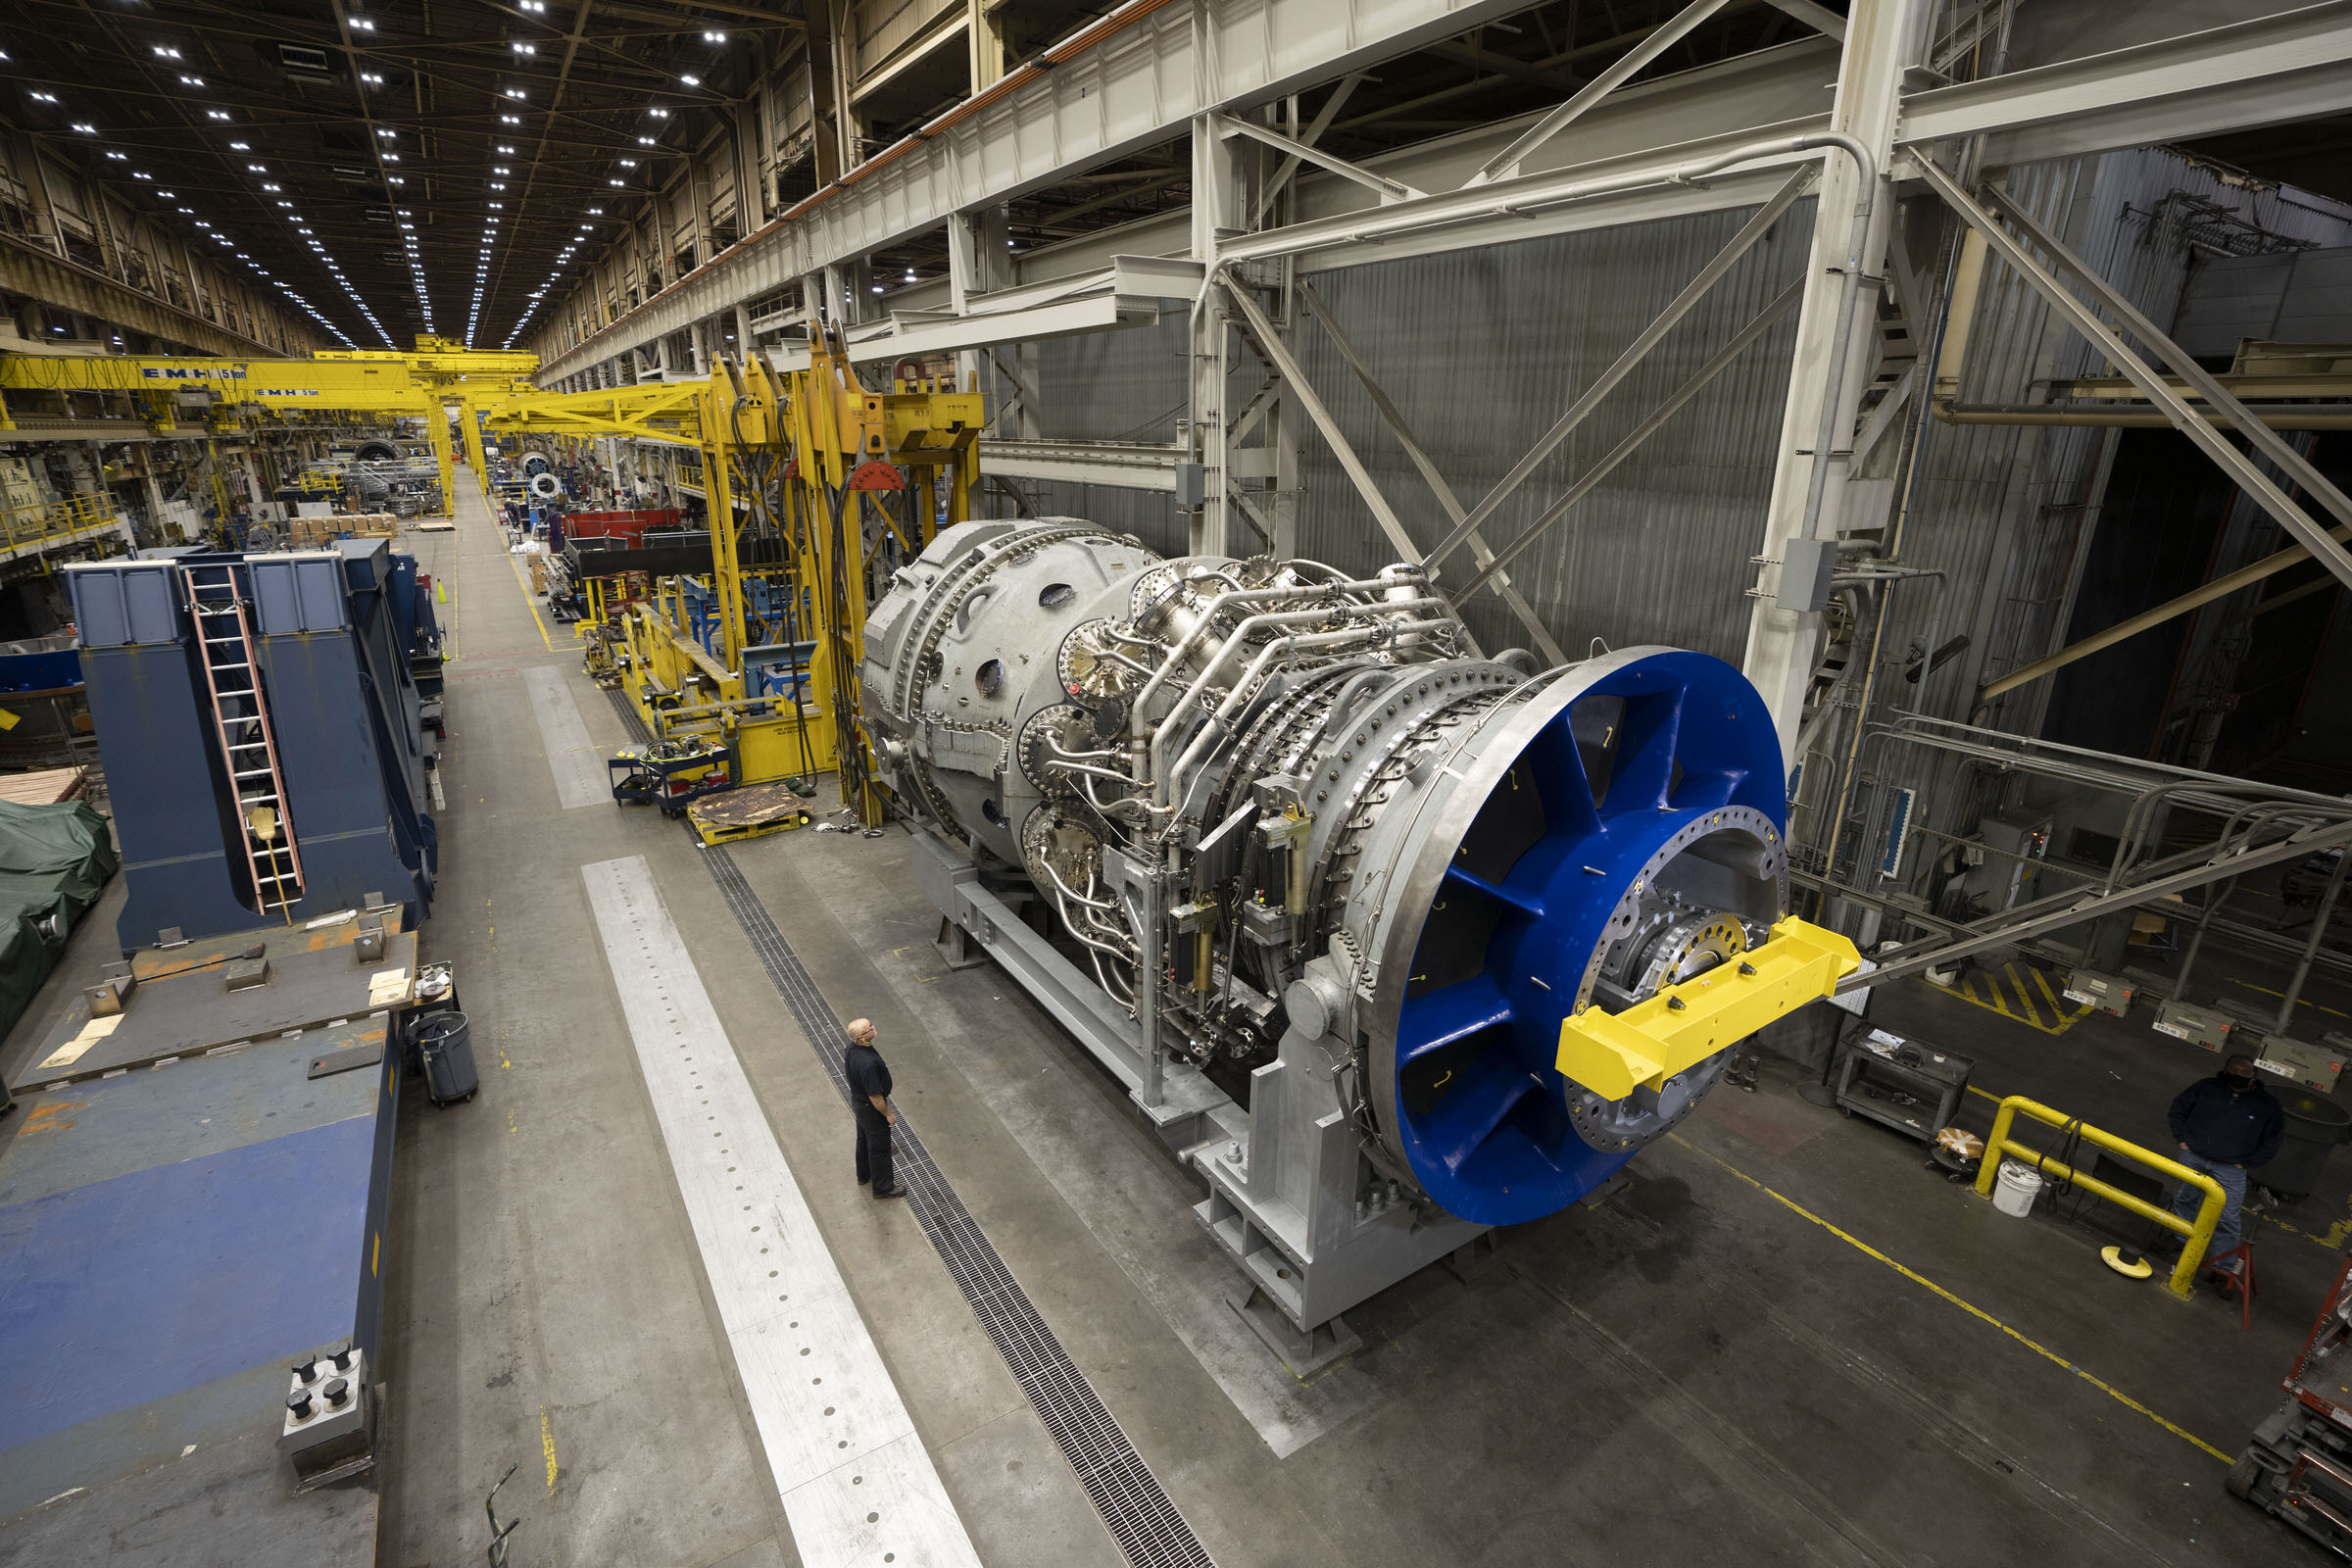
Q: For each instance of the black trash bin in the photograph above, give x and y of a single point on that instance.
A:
(2314, 1124)
(444, 1045)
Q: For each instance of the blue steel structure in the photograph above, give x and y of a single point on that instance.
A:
(333, 632)
(775, 660)
(412, 596)
(172, 1242)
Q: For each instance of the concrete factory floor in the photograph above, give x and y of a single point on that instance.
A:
(1786, 1342)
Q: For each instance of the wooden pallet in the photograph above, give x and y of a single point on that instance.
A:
(47, 787)
(747, 812)
(312, 533)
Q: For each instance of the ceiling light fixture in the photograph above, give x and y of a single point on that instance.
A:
(692, 82)
(216, 113)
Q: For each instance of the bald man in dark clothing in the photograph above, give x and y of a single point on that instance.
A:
(869, 1100)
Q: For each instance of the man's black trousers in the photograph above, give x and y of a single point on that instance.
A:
(873, 1149)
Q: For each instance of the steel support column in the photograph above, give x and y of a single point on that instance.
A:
(1831, 362)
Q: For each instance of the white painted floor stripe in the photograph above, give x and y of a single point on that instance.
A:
(581, 777)
(857, 1486)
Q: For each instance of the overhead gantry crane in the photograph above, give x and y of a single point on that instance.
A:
(470, 379)
(368, 383)
(813, 485)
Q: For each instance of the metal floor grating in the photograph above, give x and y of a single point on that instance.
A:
(1134, 1507)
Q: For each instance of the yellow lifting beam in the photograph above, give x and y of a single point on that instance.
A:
(1615, 1053)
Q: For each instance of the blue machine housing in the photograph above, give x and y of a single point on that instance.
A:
(48, 663)
(1654, 766)
(414, 625)
(332, 648)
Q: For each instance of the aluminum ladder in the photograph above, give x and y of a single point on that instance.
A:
(248, 746)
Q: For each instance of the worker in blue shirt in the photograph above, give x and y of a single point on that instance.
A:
(2226, 1125)
(869, 1100)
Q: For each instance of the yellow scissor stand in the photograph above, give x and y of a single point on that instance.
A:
(1613, 1054)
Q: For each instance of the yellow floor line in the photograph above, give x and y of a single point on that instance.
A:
(2024, 997)
(1965, 988)
(2057, 1007)
(2299, 1002)
(1970, 1307)
(522, 582)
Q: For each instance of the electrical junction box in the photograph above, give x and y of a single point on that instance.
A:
(2209, 1027)
(2106, 992)
(2315, 1067)
(1806, 568)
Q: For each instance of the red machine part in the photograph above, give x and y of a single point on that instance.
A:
(629, 525)
(2331, 1328)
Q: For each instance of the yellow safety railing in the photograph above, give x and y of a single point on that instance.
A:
(79, 514)
(2198, 1234)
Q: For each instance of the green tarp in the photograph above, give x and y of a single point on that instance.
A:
(54, 861)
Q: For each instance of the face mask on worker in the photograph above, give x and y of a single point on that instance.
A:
(2241, 1083)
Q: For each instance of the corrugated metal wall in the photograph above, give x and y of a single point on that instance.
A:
(1999, 509)
(1482, 350)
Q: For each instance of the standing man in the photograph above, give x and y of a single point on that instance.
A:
(2225, 1125)
(869, 1090)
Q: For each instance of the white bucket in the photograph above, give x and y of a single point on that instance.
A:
(2014, 1193)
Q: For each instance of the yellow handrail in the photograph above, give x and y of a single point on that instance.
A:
(2199, 1234)
(78, 513)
